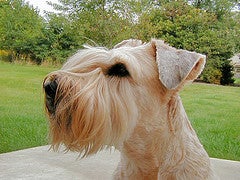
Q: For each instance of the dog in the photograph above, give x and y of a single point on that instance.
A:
(127, 97)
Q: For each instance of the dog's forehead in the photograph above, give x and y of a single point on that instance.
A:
(126, 54)
(86, 57)
(132, 56)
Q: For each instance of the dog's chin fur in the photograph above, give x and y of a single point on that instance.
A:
(141, 114)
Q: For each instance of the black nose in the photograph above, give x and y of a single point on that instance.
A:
(50, 88)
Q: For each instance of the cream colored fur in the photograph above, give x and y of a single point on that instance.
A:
(141, 115)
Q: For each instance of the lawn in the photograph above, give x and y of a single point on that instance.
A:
(22, 121)
(213, 111)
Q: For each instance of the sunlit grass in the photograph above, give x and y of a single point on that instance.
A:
(22, 121)
(214, 113)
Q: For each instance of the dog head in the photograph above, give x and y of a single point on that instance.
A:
(99, 96)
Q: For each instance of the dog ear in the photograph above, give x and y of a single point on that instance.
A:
(129, 43)
(175, 66)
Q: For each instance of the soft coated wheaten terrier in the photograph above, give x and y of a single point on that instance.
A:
(127, 97)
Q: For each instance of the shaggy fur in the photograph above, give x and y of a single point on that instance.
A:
(127, 97)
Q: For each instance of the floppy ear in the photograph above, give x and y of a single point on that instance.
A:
(129, 43)
(175, 66)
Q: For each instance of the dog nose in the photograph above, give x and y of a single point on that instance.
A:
(50, 88)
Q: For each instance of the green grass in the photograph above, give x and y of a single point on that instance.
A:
(213, 110)
(22, 120)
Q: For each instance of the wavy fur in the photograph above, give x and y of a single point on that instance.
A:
(139, 114)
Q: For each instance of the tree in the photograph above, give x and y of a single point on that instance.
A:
(227, 73)
(60, 37)
(20, 27)
(186, 27)
(219, 7)
(102, 22)
(208, 27)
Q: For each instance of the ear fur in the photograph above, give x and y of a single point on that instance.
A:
(129, 43)
(175, 66)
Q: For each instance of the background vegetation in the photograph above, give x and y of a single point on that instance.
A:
(22, 121)
(209, 27)
(213, 111)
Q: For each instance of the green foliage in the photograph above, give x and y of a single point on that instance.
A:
(219, 7)
(97, 22)
(20, 28)
(184, 26)
(25, 34)
(208, 27)
(227, 73)
(61, 38)
(211, 75)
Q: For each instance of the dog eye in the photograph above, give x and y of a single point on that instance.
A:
(118, 70)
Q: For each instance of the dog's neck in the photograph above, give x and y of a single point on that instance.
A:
(170, 144)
